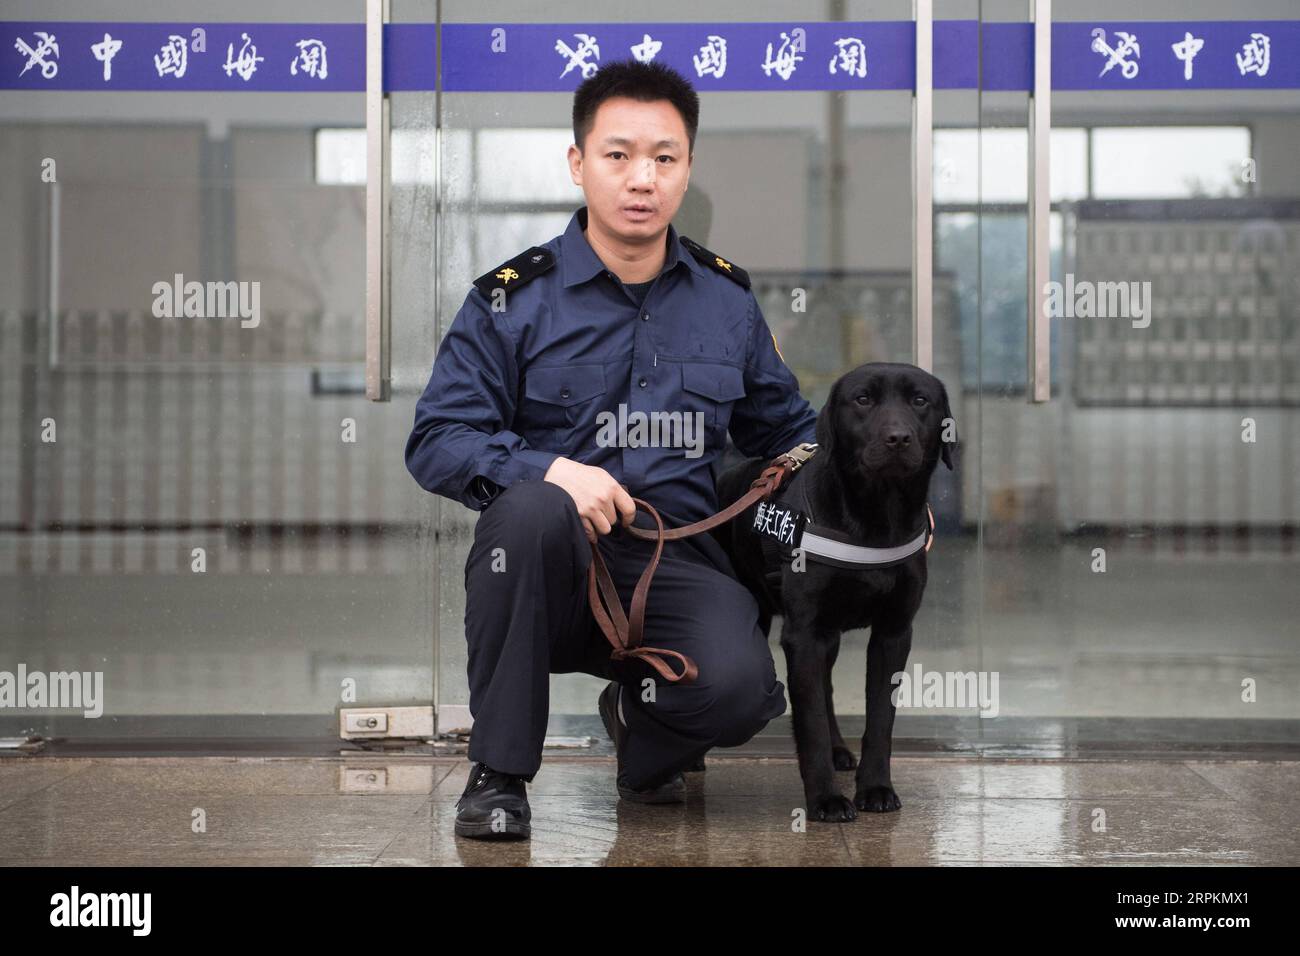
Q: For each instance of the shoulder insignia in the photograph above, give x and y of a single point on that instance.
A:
(514, 273)
(713, 261)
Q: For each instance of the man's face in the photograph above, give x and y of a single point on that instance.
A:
(635, 168)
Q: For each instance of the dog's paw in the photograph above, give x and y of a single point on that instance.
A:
(843, 758)
(832, 808)
(877, 800)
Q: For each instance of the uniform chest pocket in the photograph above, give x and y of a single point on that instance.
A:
(561, 396)
(712, 390)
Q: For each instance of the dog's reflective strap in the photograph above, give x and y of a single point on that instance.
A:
(836, 548)
(624, 631)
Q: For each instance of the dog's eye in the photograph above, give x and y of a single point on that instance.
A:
(863, 400)
(920, 400)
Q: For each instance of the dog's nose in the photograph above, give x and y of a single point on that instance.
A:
(898, 440)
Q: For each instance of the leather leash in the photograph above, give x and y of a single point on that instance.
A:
(624, 631)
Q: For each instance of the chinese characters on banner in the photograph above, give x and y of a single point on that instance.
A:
(730, 56)
(878, 55)
(162, 56)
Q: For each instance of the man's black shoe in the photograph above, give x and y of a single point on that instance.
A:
(494, 806)
(672, 790)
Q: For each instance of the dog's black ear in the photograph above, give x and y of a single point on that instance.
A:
(826, 423)
(946, 448)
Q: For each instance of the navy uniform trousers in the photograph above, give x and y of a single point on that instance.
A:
(529, 618)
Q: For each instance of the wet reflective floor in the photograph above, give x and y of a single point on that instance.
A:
(399, 811)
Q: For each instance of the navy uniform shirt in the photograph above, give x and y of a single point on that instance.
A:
(513, 389)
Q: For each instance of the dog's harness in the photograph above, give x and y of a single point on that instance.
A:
(787, 525)
(780, 528)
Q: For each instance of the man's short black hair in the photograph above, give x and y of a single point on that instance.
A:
(646, 82)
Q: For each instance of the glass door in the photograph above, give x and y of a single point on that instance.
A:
(1137, 494)
(198, 503)
(207, 379)
(802, 175)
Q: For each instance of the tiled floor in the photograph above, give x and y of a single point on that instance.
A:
(371, 810)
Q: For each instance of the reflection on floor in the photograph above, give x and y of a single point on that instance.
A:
(368, 810)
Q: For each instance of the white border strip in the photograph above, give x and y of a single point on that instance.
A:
(815, 544)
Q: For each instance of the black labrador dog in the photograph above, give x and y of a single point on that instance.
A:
(880, 438)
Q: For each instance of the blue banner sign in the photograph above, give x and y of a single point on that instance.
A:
(1168, 55)
(265, 57)
(713, 56)
(485, 57)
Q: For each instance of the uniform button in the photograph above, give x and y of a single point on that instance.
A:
(646, 317)
(564, 393)
(641, 383)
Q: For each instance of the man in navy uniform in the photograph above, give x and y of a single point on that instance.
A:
(617, 316)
